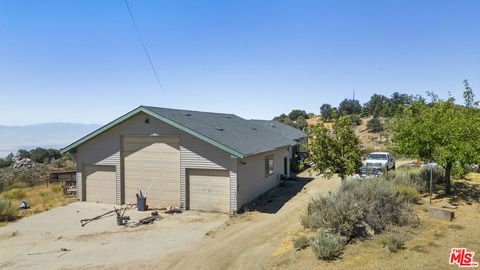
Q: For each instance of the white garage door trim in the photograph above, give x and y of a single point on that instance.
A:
(152, 164)
(100, 183)
(209, 190)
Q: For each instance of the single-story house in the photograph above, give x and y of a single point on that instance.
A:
(196, 160)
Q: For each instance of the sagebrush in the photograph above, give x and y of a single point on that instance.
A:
(361, 207)
(327, 245)
(301, 242)
(395, 241)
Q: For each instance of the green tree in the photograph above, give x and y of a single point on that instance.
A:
(301, 123)
(326, 111)
(349, 106)
(335, 151)
(468, 95)
(440, 131)
(294, 114)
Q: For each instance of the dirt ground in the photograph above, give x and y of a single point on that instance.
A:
(258, 239)
(100, 243)
(247, 242)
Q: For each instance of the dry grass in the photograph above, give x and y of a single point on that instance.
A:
(40, 198)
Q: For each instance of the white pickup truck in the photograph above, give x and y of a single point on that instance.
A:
(381, 160)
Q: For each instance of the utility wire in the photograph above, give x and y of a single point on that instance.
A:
(146, 52)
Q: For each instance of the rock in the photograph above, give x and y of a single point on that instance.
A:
(23, 164)
(441, 213)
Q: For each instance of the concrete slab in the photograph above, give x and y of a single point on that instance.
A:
(441, 213)
(101, 242)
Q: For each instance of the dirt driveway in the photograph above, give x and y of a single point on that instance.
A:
(100, 243)
(248, 242)
(191, 240)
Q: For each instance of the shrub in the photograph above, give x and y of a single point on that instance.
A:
(395, 241)
(327, 246)
(56, 189)
(14, 194)
(361, 207)
(301, 242)
(375, 125)
(7, 210)
(357, 121)
(408, 194)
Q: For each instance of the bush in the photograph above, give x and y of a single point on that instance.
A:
(375, 125)
(301, 242)
(7, 210)
(362, 207)
(395, 241)
(56, 189)
(14, 194)
(408, 194)
(357, 121)
(327, 246)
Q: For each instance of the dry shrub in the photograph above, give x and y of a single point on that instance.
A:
(301, 242)
(14, 194)
(327, 246)
(7, 210)
(395, 241)
(57, 188)
(359, 207)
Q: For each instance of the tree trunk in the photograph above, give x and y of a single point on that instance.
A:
(448, 170)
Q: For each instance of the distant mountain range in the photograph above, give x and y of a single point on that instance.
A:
(48, 135)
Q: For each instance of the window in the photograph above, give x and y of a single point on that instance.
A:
(268, 166)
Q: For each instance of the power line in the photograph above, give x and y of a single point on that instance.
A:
(146, 52)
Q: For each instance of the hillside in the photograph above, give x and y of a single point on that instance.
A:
(48, 135)
(373, 141)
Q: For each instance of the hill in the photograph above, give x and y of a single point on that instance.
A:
(47, 135)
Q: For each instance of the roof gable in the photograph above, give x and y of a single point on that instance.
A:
(231, 133)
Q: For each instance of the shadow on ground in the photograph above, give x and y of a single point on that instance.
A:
(273, 200)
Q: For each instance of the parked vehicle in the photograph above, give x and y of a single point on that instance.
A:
(380, 160)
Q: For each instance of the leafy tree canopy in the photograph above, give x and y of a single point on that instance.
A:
(326, 111)
(294, 114)
(440, 131)
(349, 106)
(335, 151)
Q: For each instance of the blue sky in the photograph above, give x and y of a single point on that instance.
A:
(81, 61)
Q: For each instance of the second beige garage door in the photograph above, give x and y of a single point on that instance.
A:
(100, 183)
(152, 164)
(209, 190)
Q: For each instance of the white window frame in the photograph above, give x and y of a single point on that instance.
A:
(269, 165)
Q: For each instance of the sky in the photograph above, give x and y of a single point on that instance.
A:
(82, 61)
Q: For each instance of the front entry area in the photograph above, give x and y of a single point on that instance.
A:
(209, 190)
(152, 164)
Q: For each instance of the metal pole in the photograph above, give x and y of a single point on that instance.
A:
(431, 176)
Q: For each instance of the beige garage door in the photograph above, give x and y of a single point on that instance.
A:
(100, 183)
(209, 190)
(152, 164)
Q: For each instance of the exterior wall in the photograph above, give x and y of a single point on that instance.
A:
(251, 178)
(105, 149)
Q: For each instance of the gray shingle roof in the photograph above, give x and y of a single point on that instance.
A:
(282, 129)
(238, 136)
(245, 136)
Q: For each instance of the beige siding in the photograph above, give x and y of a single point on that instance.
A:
(252, 181)
(152, 165)
(99, 182)
(194, 153)
(209, 190)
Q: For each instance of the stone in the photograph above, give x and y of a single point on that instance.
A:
(441, 213)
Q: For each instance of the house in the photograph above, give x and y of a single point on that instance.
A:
(198, 160)
(290, 132)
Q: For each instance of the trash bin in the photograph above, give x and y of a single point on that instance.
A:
(141, 203)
